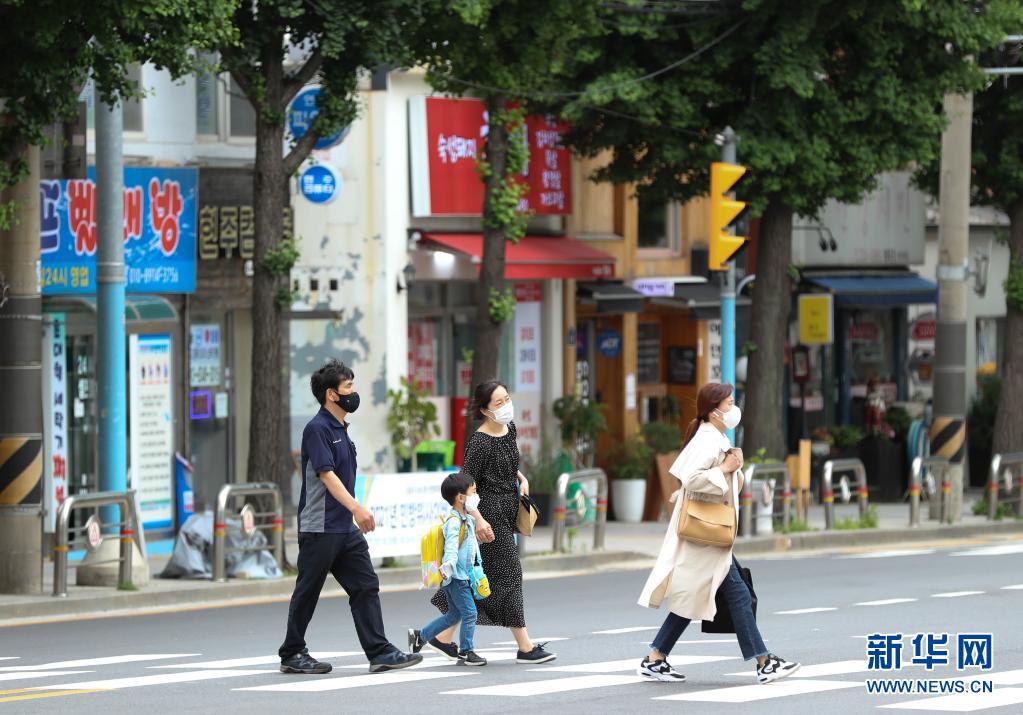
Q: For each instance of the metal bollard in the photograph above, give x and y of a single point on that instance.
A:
(275, 525)
(827, 489)
(916, 481)
(762, 471)
(129, 524)
(828, 495)
(746, 503)
(560, 506)
(1002, 463)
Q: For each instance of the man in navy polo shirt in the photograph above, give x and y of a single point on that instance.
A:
(328, 540)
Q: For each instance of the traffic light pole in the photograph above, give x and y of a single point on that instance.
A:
(728, 290)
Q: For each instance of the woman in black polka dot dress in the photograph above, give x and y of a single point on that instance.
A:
(492, 459)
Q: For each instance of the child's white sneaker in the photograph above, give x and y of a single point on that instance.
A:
(470, 658)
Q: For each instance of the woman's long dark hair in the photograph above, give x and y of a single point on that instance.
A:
(481, 398)
(709, 397)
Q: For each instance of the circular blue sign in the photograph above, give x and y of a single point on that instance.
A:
(301, 114)
(609, 343)
(319, 184)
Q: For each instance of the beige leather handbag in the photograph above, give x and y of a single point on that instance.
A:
(707, 523)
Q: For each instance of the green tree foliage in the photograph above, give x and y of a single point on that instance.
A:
(824, 94)
(53, 46)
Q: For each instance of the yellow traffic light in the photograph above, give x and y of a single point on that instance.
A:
(723, 210)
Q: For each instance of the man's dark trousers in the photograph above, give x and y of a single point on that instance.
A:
(346, 556)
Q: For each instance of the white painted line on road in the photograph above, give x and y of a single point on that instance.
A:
(1006, 677)
(630, 664)
(887, 601)
(248, 662)
(9, 657)
(752, 693)
(616, 631)
(549, 687)
(820, 670)
(957, 594)
(801, 611)
(147, 680)
(964, 702)
(106, 660)
(998, 550)
(534, 639)
(323, 684)
(1014, 587)
(887, 554)
(29, 674)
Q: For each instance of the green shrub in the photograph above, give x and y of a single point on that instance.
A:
(982, 413)
(846, 436)
(662, 437)
(631, 459)
(899, 420)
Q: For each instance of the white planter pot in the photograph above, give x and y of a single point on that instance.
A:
(629, 497)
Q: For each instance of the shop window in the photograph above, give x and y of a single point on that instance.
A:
(649, 353)
(131, 108)
(424, 357)
(241, 115)
(206, 103)
(658, 227)
(333, 284)
(987, 346)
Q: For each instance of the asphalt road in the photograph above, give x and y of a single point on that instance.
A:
(815, 609)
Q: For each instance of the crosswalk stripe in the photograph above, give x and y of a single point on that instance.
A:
(630, 664)
(547, 687)
(1014, 587)
(801, 611)
(323, 684)
(820, 670)
(28, 675)
(105, 660)
(752, 693)
(9, 657)
(887, 554)
(142, 681)
(998, 550)
(887, 601)
(964, 702)
(248, 662)
(956, 594)
(616, 631)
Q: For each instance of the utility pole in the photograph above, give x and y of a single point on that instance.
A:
(110, 280)
(21, 411)
(948, 429)
(728, 289)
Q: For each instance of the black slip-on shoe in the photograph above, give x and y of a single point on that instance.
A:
(535, 656)
(305, 664)
(450, 650)
(395, 660)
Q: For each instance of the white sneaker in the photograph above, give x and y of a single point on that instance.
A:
(775, 669)
(659, 670)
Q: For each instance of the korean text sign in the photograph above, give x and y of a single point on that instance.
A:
(159, 231)
(404, 506)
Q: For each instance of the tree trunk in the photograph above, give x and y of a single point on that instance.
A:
(486, 353)
(267, 452)
(1009, 419)
(768, 330)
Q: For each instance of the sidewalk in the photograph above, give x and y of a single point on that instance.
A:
(626, 546)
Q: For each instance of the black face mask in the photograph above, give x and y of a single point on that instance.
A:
(349, 403)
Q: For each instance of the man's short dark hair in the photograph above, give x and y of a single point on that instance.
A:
(329, 377)
(455, 484)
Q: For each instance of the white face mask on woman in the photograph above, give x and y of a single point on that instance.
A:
(503, 414)
(731, 418)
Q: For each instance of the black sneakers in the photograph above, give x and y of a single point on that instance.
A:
(395, 660)
(415, 640)
(446, 649)
(775, 669)
(470, 658)
(659, 670)
(535, 656)
(305, 664)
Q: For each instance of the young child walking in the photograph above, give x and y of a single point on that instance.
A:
(461, 553)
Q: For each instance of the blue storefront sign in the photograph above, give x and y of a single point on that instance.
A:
(301, 114)
(609, 343)
(320, 184)
(160, 209)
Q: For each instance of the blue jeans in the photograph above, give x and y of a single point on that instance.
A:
(461, 607)
(741, 606)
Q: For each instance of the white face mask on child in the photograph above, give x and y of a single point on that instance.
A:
(472, 502)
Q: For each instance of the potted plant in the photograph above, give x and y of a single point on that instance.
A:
(630, 465)
(542, 470)
(982, 429)
(581, 421)
(845, 440)
(412, 419)
(666, 442)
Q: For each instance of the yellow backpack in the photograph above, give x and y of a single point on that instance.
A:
(432, 547)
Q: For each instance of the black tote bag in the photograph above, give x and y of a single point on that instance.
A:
(722, 622)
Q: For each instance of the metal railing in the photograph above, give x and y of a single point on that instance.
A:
(128, 524)
(827, 487)
(762, 471)
(1002, 464)
(918, 485)
(275, 523)
(561, 506)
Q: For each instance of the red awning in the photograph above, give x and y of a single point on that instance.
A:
(534, 257)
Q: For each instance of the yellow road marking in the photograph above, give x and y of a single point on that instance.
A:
(8, 696)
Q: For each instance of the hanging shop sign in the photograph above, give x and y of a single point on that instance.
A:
(816, 322)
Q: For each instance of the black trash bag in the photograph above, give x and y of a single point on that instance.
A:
(722, 622)
(193, 552)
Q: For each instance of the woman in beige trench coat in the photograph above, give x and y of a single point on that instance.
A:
(687, 576)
